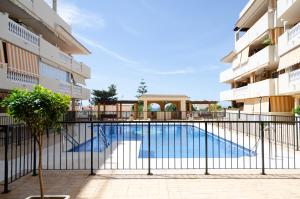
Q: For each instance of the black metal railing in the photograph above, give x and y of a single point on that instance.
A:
(131, 115)
(154, 145)
(17, 153)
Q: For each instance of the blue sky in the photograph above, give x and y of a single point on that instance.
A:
(175, 45)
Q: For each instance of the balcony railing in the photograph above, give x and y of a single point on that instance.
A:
(226, 75)
(289, 40)
(260, 59)
(65, 88)
(23, 33)
(65, 58)
(283, 6)
(294, 32)
(80, 92)
(257, 89)
(288, 83)
(81, 68)
(294, 75)
(22, 78)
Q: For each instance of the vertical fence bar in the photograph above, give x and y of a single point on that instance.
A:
(262, 148)
(92, 149)
(206, 150)
(34, 155)
(6, 190)
(149, 148)
(297, 131)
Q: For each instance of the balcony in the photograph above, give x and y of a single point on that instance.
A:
(288, 10)
(263, 58)
(18, 34)
(258, 89)
(289, 40)
(53, 53)
(81, 69)
(226, 76)
(80, 92)
(289, 83)
(265, 23)
(43, 11)
(66, 88)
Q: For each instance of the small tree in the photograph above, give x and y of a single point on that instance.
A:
(215, 107)
(105, 95)
(142, 89)
(297, 110)
(39, 109)
(170, 108)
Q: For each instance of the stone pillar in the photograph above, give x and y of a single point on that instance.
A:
(121, 115)
(117, 110)
(145, 109)
(190, 107)
(135, 110)
(73, 106)
(183, 109)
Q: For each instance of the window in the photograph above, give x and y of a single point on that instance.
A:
(53, 72)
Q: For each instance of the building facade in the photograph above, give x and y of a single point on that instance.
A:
(36, 47)
(265, 73)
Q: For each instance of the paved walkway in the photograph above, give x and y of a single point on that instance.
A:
(78, 184)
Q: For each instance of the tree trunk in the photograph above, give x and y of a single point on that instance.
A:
(40, 143)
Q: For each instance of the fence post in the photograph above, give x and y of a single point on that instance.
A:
(262, 148)
(297, 131)
(149, 148)
(6, 190)
(34, 155)
(206, 150)
(92, 150)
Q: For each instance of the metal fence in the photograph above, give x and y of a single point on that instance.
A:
(131, 115)
(153, 145)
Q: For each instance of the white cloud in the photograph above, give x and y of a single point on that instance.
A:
(76, 16)
(106, 50)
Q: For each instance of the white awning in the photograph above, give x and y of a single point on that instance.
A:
(22, 61)
(289, 59)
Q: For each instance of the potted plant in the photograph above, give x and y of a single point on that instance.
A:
(39, 109)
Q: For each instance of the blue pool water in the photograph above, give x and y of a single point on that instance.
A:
(176, 141)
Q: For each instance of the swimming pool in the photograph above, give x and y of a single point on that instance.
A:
(166, 141)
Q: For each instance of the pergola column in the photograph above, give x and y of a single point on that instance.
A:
(183, 109)
(145, 109)
(121, 115)
(117, 109)
(135, 110)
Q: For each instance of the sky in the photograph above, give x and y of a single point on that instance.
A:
(174, 45)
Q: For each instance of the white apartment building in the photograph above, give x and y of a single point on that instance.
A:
(36, 47)
(265, 70)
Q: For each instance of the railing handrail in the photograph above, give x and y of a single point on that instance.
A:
(23, 33)
(292, 33)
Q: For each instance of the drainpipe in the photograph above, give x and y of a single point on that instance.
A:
(54, 5)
